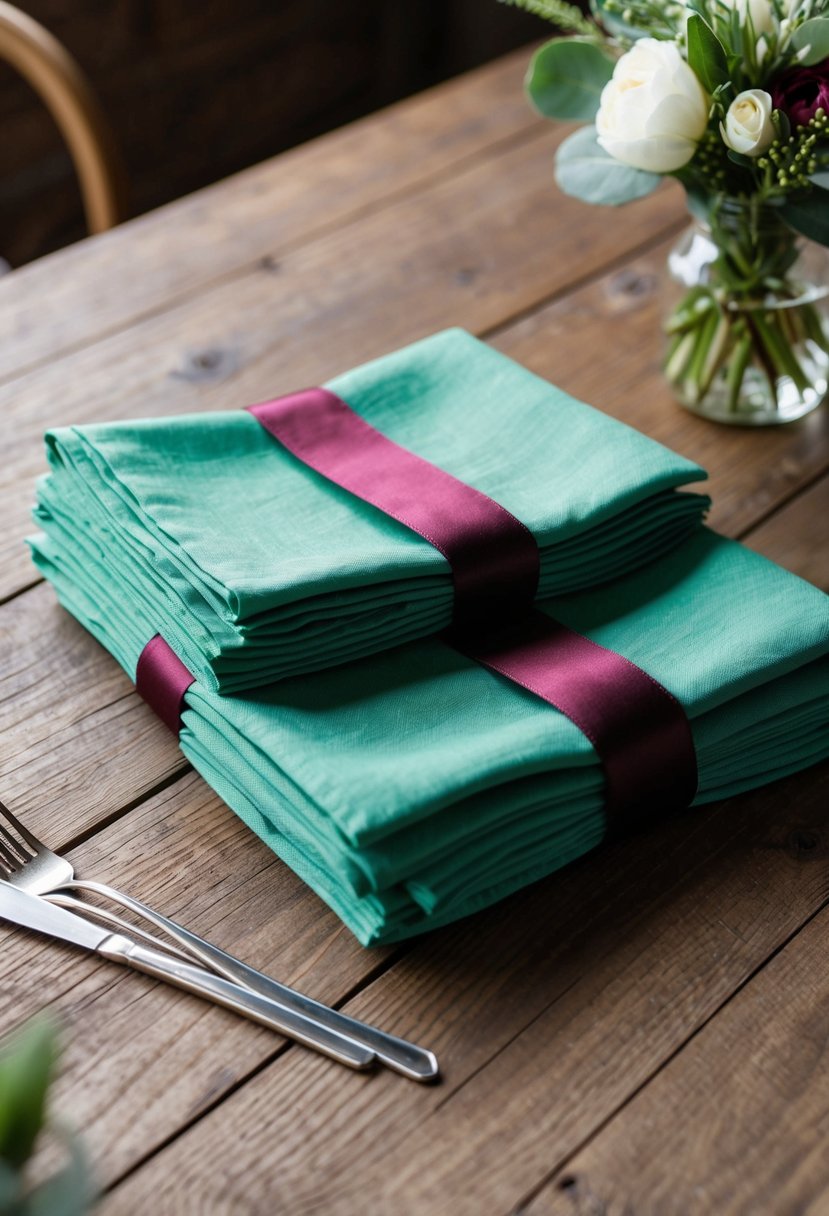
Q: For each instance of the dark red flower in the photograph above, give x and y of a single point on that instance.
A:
(801, 92)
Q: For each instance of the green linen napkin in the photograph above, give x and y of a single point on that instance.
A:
(253, 567)
(415, 787)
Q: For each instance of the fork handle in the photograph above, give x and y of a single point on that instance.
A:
(249, 1004)
(404, 1057)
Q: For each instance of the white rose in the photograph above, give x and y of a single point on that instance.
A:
(748, 127)
(653, 110)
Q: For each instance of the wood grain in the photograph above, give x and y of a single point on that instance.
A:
(375, 283)
(798, 537)
(750, 1103)
(103, 285)
(77, 743)
(547, 1013)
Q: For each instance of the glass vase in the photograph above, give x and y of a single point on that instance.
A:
(749, 332)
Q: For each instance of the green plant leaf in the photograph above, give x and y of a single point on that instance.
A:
(71, 1192)
(821, 178)
(566, 78)
(584, 170)
(26, 1064)
(706, 54)
(809, 215)
(815, 35)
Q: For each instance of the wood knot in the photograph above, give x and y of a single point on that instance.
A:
(632, 284)
(208, 363)
(805, 844)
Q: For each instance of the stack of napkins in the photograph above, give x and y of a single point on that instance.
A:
(415, 786)
(253, 567)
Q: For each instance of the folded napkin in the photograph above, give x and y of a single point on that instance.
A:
(253, 567)
(416, 786)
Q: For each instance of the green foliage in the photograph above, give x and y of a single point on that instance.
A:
(566, 16)
(26, 1065)
(566, 78)
(585, 171)
(809, 215)
(815, 35)
(706, 54)
(27, 1062)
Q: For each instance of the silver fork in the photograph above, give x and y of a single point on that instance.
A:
(27, 863)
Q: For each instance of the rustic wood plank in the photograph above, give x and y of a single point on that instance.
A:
(750, 1103)
(76, 742)
(141, 1058)
(98, 286)
(547, 1013)
(798, 536)
(373, 284)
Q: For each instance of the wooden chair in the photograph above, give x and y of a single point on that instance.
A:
(56, 77)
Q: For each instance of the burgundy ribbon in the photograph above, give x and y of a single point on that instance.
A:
(162, 680)
(492, 555)
(639, 730)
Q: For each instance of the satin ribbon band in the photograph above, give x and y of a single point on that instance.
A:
(639, 730)
(637, 727)
(162, 680)
(493, 556)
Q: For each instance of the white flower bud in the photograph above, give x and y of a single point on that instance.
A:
(748, 127)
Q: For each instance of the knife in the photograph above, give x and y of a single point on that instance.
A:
(33, 912)
(404, 1057)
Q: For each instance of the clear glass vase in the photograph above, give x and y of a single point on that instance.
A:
(749, 330)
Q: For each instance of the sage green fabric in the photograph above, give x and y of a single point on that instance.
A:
(415, 787)
(253, 567)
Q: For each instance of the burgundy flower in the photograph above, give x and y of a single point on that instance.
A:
(800, 92)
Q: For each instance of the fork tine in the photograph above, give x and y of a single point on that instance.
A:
(31, 841)
(9, 845)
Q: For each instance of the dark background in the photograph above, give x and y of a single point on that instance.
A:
(197, 89)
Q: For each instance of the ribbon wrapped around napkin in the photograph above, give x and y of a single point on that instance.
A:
(254, 566)
(417, 786)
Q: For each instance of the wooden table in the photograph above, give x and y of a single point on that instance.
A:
(644, 1032)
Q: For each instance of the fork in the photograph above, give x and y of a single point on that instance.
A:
(27, 863)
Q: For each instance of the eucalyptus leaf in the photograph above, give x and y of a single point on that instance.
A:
(585, 171)
(809, 215)
(821, 178)
(26, 1064)
(706, 54)
(815, 35)
(566, 78)
(745, 162)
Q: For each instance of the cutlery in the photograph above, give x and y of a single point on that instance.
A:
(27, 863)
(34, 912)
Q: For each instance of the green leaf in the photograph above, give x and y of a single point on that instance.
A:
(809, 216)
(706, 54)
(68, 1193)
(584, 170)
(566, 78)
(26, 1063)
(815, 35)
(821, 178)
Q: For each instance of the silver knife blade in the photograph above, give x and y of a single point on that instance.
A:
(33, 912)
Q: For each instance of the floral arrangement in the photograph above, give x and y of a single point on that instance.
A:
(731, 98)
